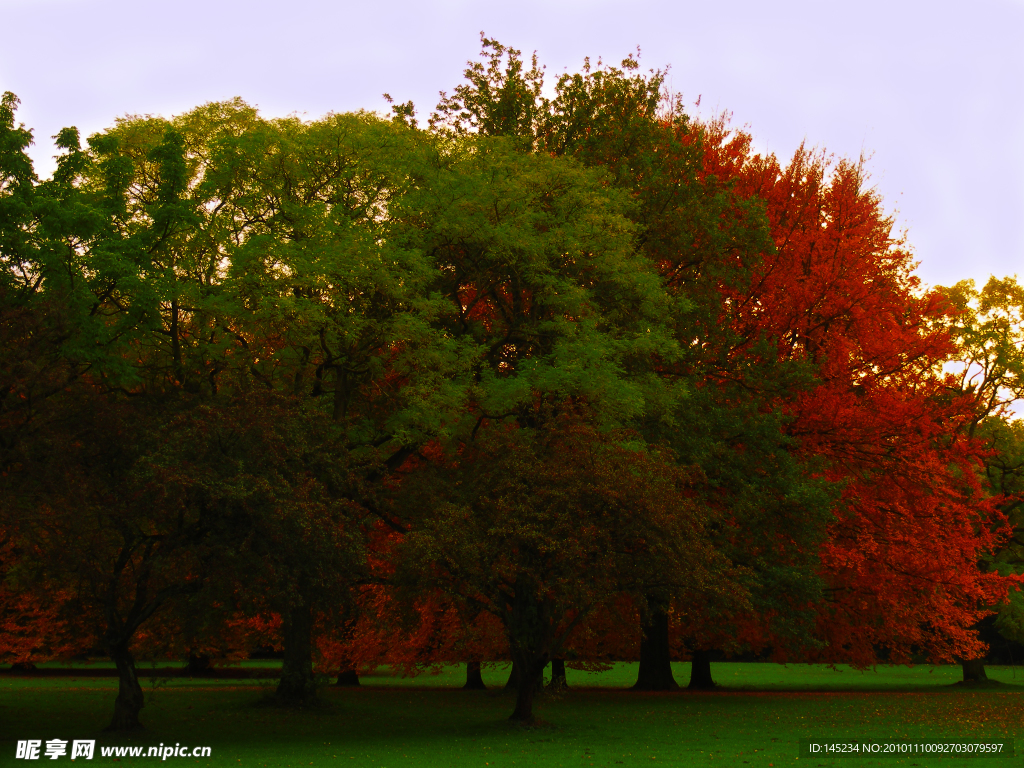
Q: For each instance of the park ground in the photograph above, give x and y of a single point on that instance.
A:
(757, 717)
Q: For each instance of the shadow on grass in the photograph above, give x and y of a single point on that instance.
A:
(312, 704)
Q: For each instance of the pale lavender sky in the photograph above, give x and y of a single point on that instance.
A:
(931, 90)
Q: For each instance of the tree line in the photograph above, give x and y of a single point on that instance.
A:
(551, 380)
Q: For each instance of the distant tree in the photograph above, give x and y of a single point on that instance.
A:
(988, 328)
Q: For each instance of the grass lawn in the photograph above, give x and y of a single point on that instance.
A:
(756, 718)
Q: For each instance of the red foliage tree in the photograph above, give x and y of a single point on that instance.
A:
(900, 561)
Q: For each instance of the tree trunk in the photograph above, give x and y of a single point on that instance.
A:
(558, 682)
(531, 679)
(130, 699)
(348, 677)
(474, 680)
(297, 685)
(700, 671)
(513, 678)
(974, 671)
(655, 672)
(198, 664)
(514, 674)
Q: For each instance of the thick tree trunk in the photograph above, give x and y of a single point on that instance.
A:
(558, 682)
(514, 675)
(974, 671)
(700, 671)
(531, 679)
(297, 685)
(130, 699)
(655, 672)
(474, 680)
(347, 678)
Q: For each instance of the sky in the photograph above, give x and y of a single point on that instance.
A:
(932, 93)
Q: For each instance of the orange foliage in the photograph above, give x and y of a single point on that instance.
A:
(901, 558)
(34, 624)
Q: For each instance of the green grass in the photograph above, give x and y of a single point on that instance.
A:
(756, 718)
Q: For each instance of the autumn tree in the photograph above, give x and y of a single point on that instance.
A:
(900, 561)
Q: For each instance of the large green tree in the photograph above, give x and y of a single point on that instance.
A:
(180, 287)
(715, 397)
(102, 277)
